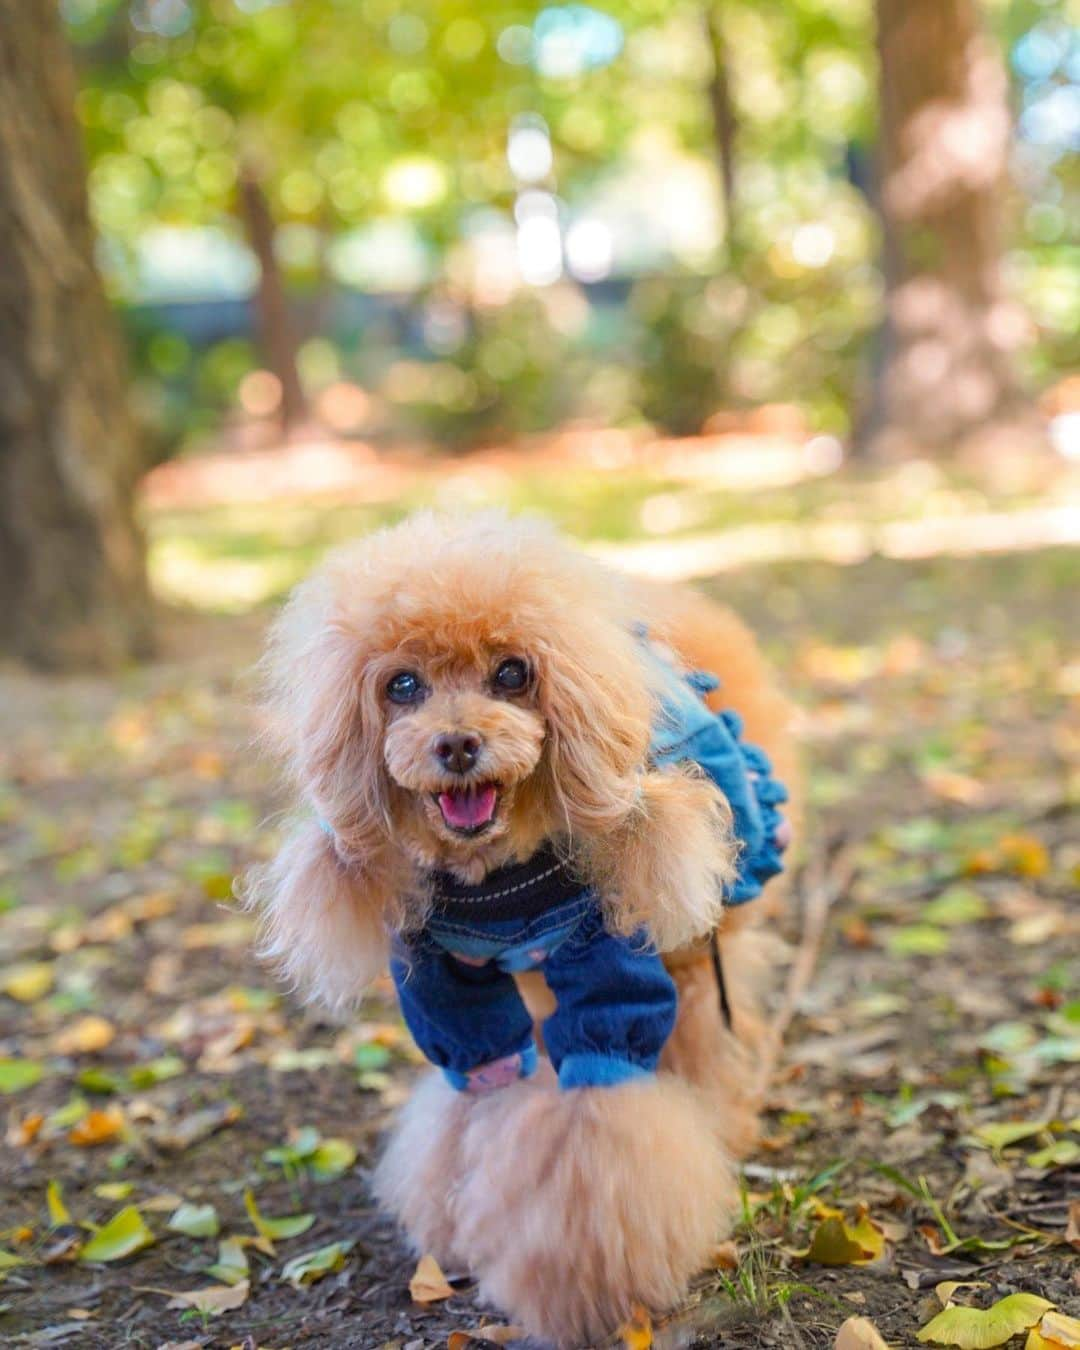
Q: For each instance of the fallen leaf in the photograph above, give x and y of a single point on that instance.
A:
(637, 1333)
(1059, 1329)
(1061, 1153)
(28, 981)
(164, 1203)
(458, 1340)
(20, 1133)
(838, 1243)
(197, 1221)
(428, 1284)
(313, 1265)
(114, 1190)
(859, 1333)
(155, 1071)
(97, 1127)
(54, 1203)
(195, 1128)
(8, 1260)
(214, 1299)
(288, 1226)
(331, 1159)
(232, 1264)
(124, 1234)
(983, 1328)
(16, 1074)
(85, 1036)
(999, 1136)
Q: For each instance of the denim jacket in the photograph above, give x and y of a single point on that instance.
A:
(615, 1001)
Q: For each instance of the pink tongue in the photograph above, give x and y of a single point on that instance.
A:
(467, 810)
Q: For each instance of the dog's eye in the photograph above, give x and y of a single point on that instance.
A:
(512, 676)
(405, 687)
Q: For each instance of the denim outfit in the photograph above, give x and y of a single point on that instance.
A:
(615, 1001)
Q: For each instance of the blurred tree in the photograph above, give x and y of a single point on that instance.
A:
(949, 358)
(72, 580)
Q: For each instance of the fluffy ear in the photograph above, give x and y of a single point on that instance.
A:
(325, 719)
(666, 868)
(322, 923)
(595, 699)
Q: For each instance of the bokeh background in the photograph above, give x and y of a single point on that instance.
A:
(780, 298)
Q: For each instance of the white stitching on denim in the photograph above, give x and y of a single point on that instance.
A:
(498, 895)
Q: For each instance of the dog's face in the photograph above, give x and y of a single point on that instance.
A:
(464, 735)
(458, 692)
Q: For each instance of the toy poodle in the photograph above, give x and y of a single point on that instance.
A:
(523, 796)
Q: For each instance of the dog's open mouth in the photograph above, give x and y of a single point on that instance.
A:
(469, 810)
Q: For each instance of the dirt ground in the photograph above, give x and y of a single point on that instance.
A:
(939, 715)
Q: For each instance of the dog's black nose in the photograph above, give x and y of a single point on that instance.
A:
(457, 752)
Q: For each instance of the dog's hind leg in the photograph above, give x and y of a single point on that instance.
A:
(720, 1041)
(575, 1205)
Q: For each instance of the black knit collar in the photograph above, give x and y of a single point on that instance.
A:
(516, 891)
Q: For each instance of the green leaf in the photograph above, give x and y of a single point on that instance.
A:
(8, 1260)
(956, 905)
(99, 1081)
(371, 1056)
(286, 1227)
(983, 1328)
(155, 1071)
(197, 1221)
(331, 1159)
(1000, 1136)
(1061, 1153)
(124, 1234)
(17, 1074)
(919, 939)
(312, 1266)
(69, 1114)
(231, 1267)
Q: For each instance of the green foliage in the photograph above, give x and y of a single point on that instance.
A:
(353, 115)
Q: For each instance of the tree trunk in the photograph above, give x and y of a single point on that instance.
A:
(948, 375)
(276, 336)
(722, 114)
(72, 579)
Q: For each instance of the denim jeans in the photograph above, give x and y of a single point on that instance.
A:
(615, 1001)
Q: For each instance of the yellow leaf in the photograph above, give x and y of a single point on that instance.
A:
(28, 981)
(837, 1243)
(1060, 1330)
(54, 1202)
(637, 1333)
(97, 1127)
(859, 1333)
(85, 1036)
(983, 1328)
(428, 1284)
